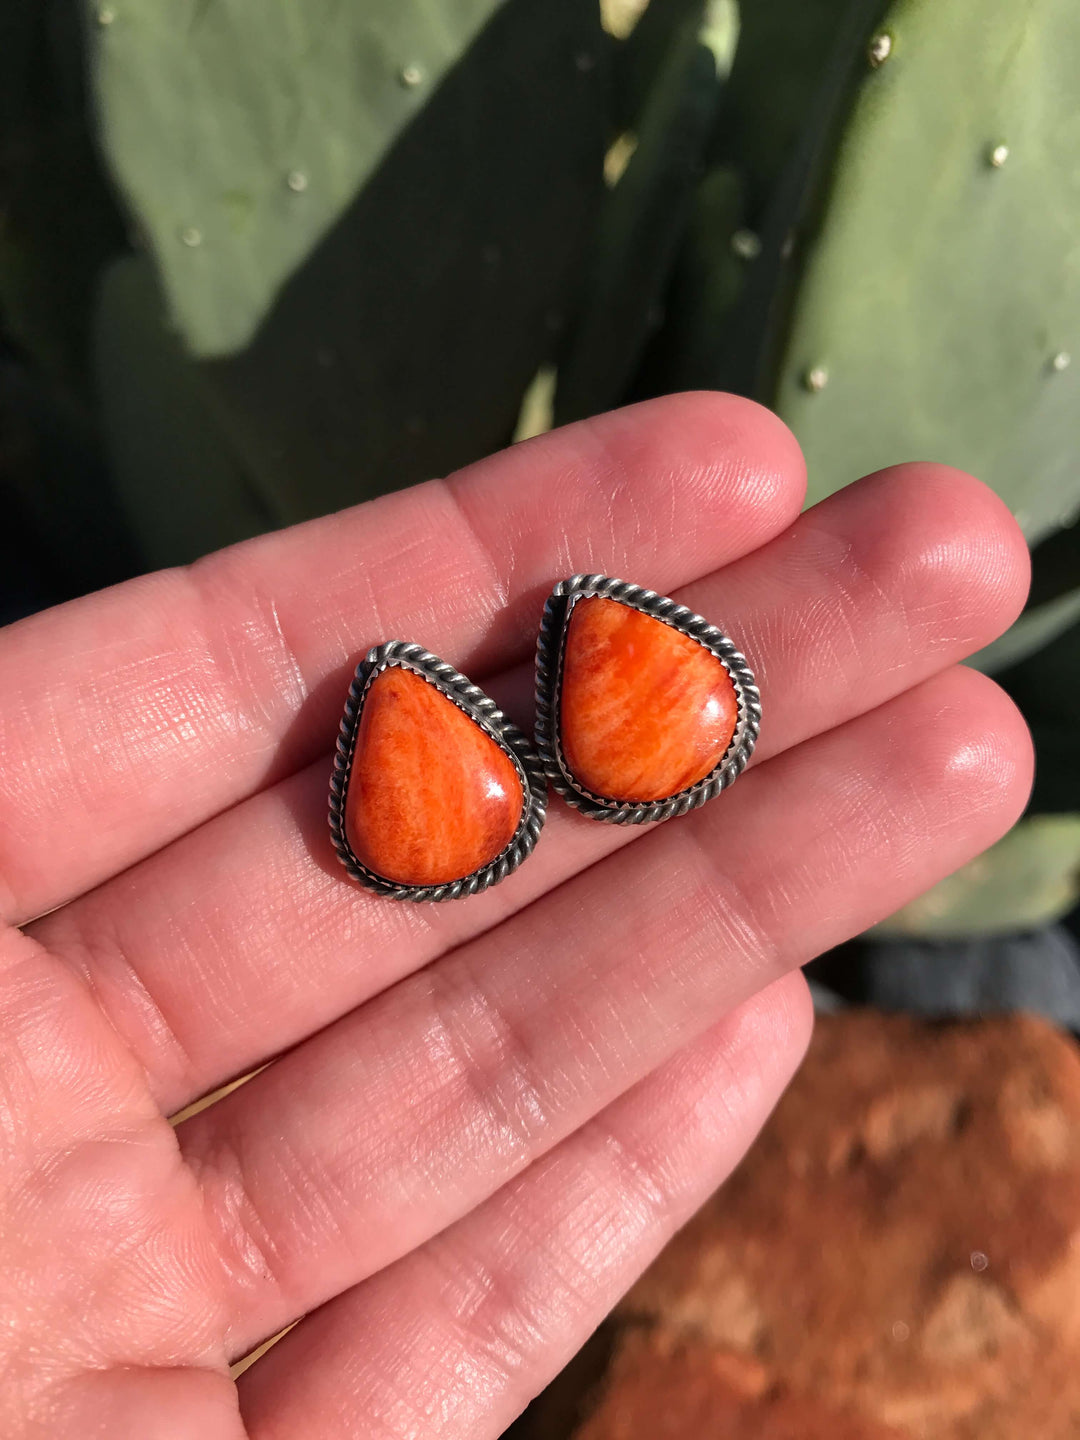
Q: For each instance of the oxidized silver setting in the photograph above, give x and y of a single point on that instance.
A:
(549, 662)
(479, 708)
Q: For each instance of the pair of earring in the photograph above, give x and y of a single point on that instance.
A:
(643, 711)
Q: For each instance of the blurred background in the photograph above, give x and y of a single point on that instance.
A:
(260, 260)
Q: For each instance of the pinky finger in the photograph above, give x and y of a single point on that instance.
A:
(451, 1342)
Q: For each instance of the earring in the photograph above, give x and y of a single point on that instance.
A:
(643, 709)
(434, 793)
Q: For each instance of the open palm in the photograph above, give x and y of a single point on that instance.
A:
(484, 1117)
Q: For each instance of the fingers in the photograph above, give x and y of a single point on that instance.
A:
(108, 1270)
(453, 1340)
(151, 1403)
(243, 938)
(133, 715)
(404, 1115)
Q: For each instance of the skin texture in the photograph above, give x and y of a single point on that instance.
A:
(484, 1118)
(646, 711)
(431, 798)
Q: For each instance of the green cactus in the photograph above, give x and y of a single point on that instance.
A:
(59, 226)
(338, 212)
(1030, 878)
(940, 291)
(640, 228)
(240, 133)
(918, 287)
(58, 222)
(158, 421)
(1053, 605)
(399, 344)
(1038, 625)
(790, 87)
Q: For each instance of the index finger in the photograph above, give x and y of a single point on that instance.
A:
(133, 715)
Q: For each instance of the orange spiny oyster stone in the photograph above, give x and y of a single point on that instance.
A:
(431, 796)
(646, 711)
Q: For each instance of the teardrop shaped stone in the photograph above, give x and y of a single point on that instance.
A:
(646, 711)
(431, 796)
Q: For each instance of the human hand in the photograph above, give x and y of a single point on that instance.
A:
(487, 1115)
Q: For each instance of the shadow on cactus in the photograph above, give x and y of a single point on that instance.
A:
(401, 343)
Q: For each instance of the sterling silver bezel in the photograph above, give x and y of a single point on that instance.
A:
(479, 708)
(549, 663)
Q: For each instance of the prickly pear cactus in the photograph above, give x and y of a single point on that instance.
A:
(1028, 879)
(794, 73)
(939, 302)
(158, 421)
(913, 285)
(672, 111)
(58, 224)
(240, 132)
(369, 238)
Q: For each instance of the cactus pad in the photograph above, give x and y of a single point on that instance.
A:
(939, 293)
(240, 132)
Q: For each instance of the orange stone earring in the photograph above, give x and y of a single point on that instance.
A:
(434, 793)
(643, 709)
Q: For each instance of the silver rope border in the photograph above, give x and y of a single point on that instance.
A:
(480, 708)
(549, 659)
